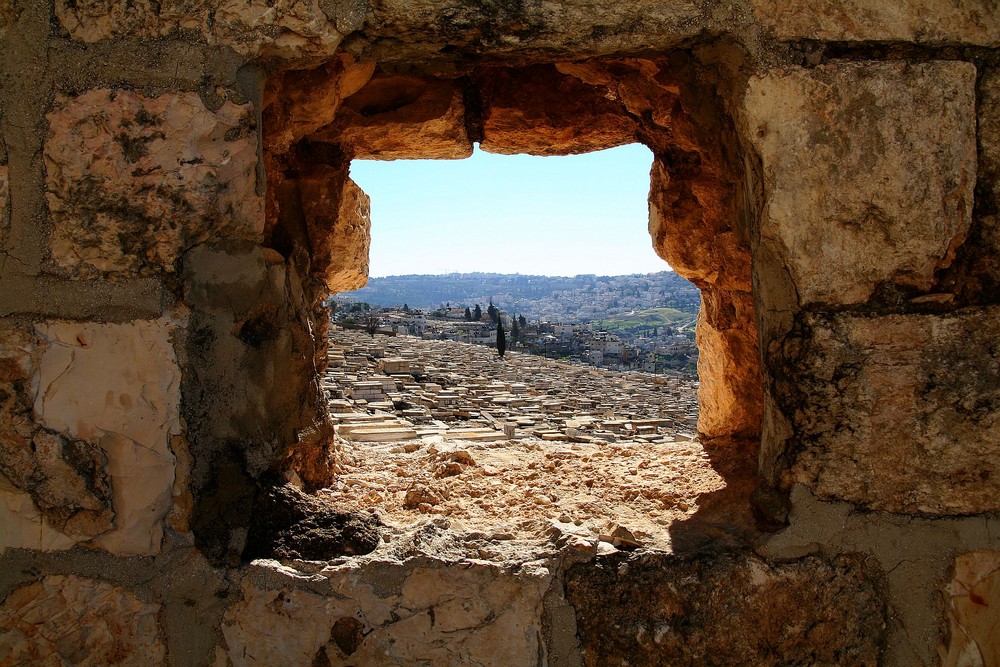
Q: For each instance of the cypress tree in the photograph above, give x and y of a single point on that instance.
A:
(501, 339)
(514, 333)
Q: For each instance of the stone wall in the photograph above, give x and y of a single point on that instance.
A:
(174, 205)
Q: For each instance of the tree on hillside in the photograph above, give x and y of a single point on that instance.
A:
(477, 314)
(493, 312)
(514, 333)
(523, 322)
(468, 314)
(501, 339)
(406, 308)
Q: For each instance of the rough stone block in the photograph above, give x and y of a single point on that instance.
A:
(541, 111)
(729, 610)
(71, 620)
(605, 27)
(730, 394)
(287, 28)
(133, 181)
(299, 102)
(402, 117)
(922, 21)
(48, 474)
(348, 268)
(117, 386)
(391, 614)
(898, 413)
(337, 216)
(842, 212)
(972, 603)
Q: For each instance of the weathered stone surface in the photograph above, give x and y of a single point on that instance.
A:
(922, 21)
(4, 203)
(65, 476)
(286, 523)
(541, 111)
(577, 26)
(730, 396)
(975, 275)
(840, 214)
(133, 181)
(258, 28)
(729, 609)
(247, 338)
(989, 135)
(337, 217)
(399, 117)
(899, 413)
(23, 526)
(691, 224)
(299, 102)
(391, 613)
(972, 603)
(116, 386)
(70, 620)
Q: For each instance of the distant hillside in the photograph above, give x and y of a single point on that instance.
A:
(556, 299)
(645, 319)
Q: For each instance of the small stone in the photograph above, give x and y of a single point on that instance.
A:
(420, 495)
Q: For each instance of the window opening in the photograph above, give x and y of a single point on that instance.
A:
(582, 422)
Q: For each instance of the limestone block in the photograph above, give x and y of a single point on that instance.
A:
(299, 102)
(922, 21)
(541, 111)
(594, 27)
(401, 117)
(392, 614)
(254, 28)
(841, 211)
(337, 216)
(117, 386)
(898, 413)
(729, 609)
(48, 474)
(690, 226)
(972, 603)
(133, 181)
(69, 620)
(730, 394)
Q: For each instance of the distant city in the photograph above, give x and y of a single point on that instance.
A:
(638, 322)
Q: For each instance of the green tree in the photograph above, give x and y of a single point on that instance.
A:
(523, 322)
(501, 339)
(514, 332)
(494, 313)
(468, 314)
(477, 314)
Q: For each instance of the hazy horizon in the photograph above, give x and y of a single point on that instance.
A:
(513, 214)
(668, 269)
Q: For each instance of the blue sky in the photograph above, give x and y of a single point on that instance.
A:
(557, 216)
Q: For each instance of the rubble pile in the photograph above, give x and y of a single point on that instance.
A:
(429, 429)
